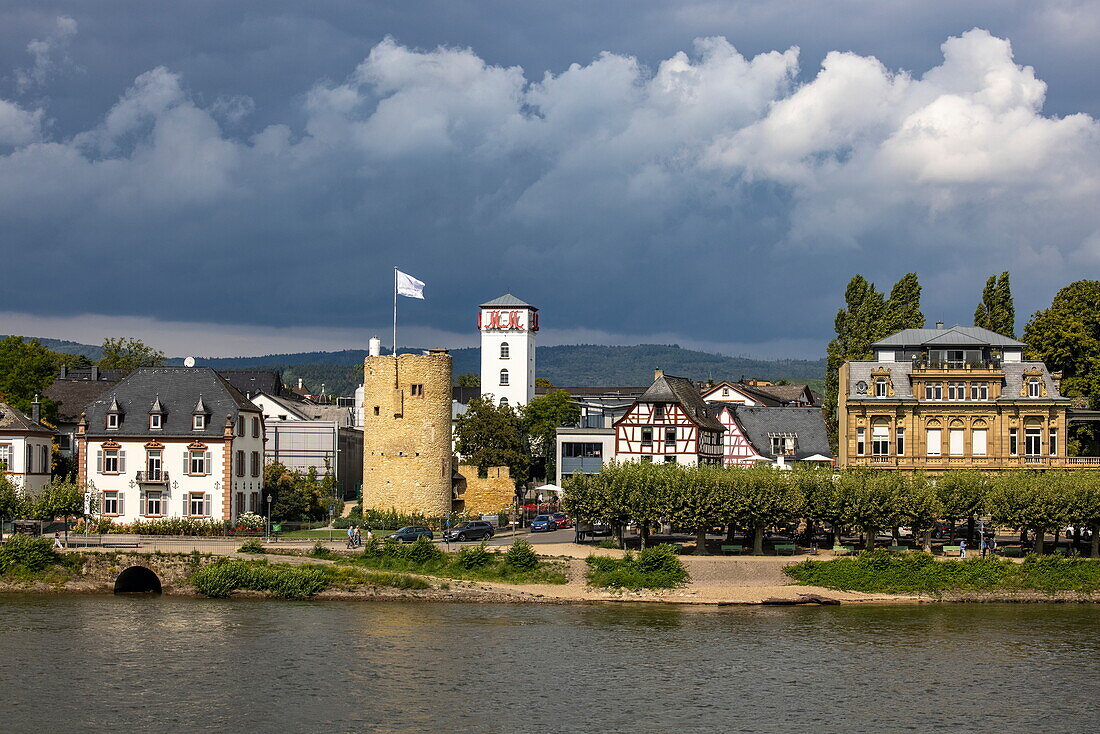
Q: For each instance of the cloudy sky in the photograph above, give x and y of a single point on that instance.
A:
(240, 178)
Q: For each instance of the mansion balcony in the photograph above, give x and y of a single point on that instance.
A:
(989, 463)
(152, 477)
(955, 368)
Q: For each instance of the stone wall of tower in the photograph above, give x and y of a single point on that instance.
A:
(407, 433)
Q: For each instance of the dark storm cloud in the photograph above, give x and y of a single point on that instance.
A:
(250, 163)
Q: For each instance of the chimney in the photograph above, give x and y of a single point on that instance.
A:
(36, 409)
(939, 324)
(64, 371)
(299, 383)
(95, 373)
(658, 374)
(374, 347)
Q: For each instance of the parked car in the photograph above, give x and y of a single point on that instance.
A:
(600, 530)
(543, 524)
(471, 530)
(411, 533)
(561, 520)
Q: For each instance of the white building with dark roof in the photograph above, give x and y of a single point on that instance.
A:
(669, 423)
(172, 442)
(25, 449)
(508, 327)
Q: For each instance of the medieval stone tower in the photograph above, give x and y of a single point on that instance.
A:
(407, 433)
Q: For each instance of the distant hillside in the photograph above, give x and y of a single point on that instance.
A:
(583, 364)
(60, 345)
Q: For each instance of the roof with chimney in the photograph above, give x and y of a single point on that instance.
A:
(953, 336)
(682, 391)
(181, 391)
(13, 420)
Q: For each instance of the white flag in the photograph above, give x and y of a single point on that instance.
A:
(409, 286)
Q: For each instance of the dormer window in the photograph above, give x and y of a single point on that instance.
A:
(1034, 389)
(880, 387)
(155, 422)
(198, 422)
(114, 415)
(112, 420)
(156, 415)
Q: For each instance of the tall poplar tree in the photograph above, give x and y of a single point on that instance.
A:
(996, 311)
(903, 306)
(981, 314)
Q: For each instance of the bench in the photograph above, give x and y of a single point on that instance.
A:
(785, 548)
(844, 550)
(898, 548)
(1011, 551)
(952, 550)
(737, 549)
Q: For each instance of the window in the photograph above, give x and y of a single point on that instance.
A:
(197, 462)
(255, 463)
(647, 438)
(112, 420)
(240, 425)
(725, 392)
(153, 465)
(1033, 388)
(112, 504)
(29, 464)
(1053, 441)
(979, 391)
(417, 391)
(980, 442)
(196, 504)
(504, 378)
(504, 402)
(880, 441)
(44, 451)
(1013, 442)
(376, 410)
(256, 427)
(861, 441)
(956, 391)
(253, 501)
(1033, 441)
(5, 457)
(240, 503)
(504, 350)
(933, 391)
(659, 412)
(670, 437)
(934, 442)
(578, 450)
(154, 421)
(112, 462)
(956, 359)
(670, 459)
(65, 442)
(240, 463)
(880, 387)
(783, 445)
(956, 441)
(154, 504)
(198, 422)
(901, 441)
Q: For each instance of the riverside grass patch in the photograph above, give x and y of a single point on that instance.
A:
(220, 579)
(25, 558)
(922, 573)
(657, 567)
(519, 565)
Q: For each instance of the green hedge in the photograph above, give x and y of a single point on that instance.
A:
(520, 565)
(656, 567)
(881, 571)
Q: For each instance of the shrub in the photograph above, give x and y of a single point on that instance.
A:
(371, 546)
(252, 545)
(320, 551)
(28, 553)
(522, 556)
(657, 567)
(423, 551)
(473, 557)
(221, 578)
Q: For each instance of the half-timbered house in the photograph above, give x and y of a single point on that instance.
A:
(779, 436)
(669, 423)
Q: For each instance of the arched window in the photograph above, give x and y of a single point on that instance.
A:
(504, 378)
(1033, 390)
(504, 402)
(504, 350)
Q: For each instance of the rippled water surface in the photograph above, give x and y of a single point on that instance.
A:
(164, 664)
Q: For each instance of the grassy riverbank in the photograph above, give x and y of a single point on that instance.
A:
(922, 573)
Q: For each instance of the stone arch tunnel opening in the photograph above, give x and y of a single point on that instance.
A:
(137, 580)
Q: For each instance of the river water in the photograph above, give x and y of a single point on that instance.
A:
(166, 664)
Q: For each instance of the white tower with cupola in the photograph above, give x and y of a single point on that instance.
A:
(508, 327)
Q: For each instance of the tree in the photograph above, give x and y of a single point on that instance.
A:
(699, 503)
(468, 379)
(1030, 501)
(871, 500)
(541, 419)
(996, 311)
(543, 382)
(858, 325)
(817, 490)
(288, 504)
(488, 435)
(903, 306)
(128, 353)
(961, 493)
(59, 499)
(26, 370)
(12, 503)
(764, 497)
(1066, 337)
(920, 508)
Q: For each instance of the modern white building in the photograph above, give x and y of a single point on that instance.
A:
(172, 442)
(25, 449)
(508, 327)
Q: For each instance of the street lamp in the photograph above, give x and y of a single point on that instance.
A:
(268, 536)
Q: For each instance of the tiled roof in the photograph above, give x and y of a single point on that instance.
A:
(903, 389)
(953, 336)
(507, 301)
(12, 419)
(682, 391)
(74, 396)
(251, 382)
(180, 390)
(760, 424)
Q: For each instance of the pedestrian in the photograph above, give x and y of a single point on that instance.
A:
(992, 545)
(985, 545)
(370, 535)
(351, 536)
(358, 537)
(962, 548)
(57, 541)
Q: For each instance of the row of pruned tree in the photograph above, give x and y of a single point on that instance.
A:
(699, 499)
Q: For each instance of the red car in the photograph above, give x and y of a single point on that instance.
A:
(561, 520)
